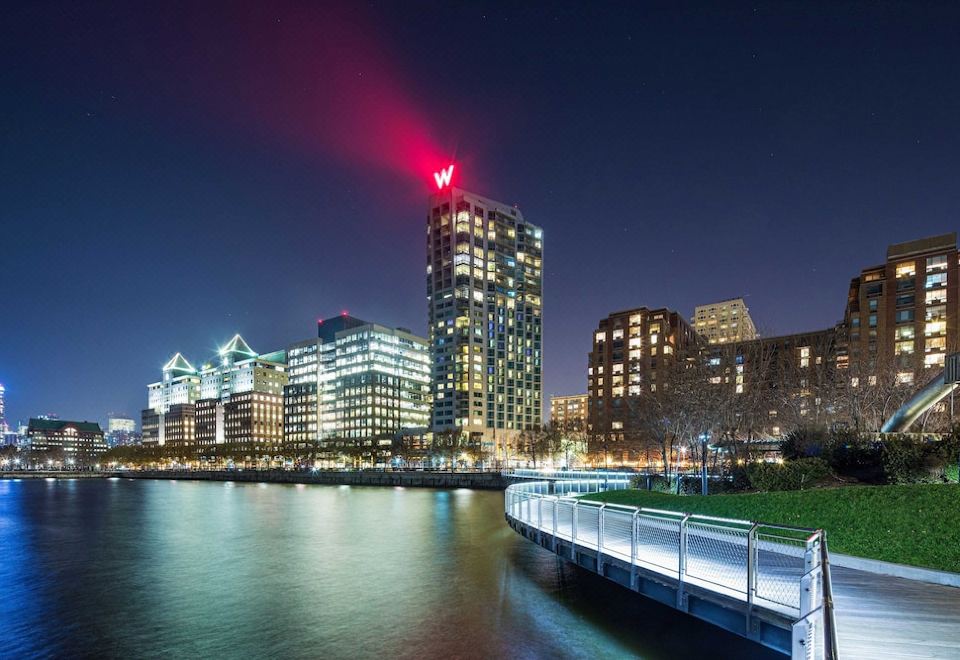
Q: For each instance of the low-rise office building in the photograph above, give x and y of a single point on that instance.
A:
(66, 442)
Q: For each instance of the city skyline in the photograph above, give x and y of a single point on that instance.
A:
(196, 221)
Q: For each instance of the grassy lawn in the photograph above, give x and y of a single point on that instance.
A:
(914, 524)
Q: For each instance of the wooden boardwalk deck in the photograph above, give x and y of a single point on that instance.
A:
(887, 617)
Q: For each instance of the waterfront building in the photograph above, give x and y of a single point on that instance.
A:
(629, 349)
(235, 398)
(241, 397)
(902, 315)
(121, 431)
(301, 395)
(3, 410)
(309, 396)
(171, 403)
(484, 294)
(356, 388)
(69, 442)
(724, 322)
(569, 412)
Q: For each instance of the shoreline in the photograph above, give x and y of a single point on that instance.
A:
(406, 478)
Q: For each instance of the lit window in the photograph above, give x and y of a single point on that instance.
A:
(935, 312)
(935, 328)
(905, 332)
(933, 360)
(905, 378)
(935, 344)
(937, 263)
(903, 348)
(906, 269)
(936, 296)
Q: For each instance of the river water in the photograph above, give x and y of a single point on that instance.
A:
(137, 568)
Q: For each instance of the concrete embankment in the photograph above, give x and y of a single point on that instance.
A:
(412, 479)
(52, 474)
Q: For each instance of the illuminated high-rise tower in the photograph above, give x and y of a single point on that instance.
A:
(3, 412)
(484, 292)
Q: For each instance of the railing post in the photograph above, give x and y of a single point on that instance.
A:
(576, 516)
(829, 616)
(600, 538)
(556, 524)
(634, 533)
(810, 558)
(752, 569)
(540, 513)
(682, 563)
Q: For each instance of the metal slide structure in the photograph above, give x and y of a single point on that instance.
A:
(933, 393)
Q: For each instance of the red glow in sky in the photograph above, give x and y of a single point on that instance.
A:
(326, 80)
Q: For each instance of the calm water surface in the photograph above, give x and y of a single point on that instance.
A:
(130, 568)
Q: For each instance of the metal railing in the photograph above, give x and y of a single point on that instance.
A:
(777, 568)
(570, 475)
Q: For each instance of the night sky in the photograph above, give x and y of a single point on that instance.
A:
(172, 175)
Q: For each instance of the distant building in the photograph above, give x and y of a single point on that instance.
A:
(308, 397)
(629, 349)
(241, 397)
(569, 412)
(121, 431)
(3, 411)
(484, 292)
(357, 386)
(236, 398)
(724, 322)
(794, 375)
(73, 443)
(902, 315)
(171, 403)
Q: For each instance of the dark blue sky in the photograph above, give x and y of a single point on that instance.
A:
(170, 175)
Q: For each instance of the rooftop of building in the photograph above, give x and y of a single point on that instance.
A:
(179, 364)
(922, 245)
(725, 301)
(327, 329)
(644, 308)
(38, 424)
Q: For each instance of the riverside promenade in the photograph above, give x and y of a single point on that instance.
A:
(648, 551)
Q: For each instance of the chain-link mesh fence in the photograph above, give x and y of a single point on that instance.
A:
(717, 553)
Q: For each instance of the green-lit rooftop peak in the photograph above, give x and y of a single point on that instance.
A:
(179, 363)
(237, 346)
